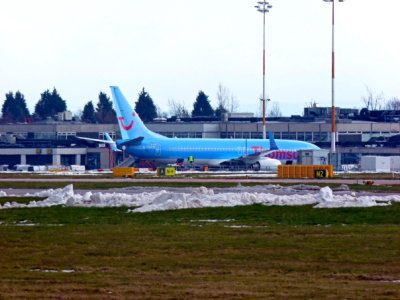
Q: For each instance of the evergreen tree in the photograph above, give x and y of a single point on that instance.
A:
(145, 107)
(88, 114)
(202, 106)
(105, 113)
(50, 104)
(14, 108)
(220, 110)
(22, 111)
(7, 107)
(41, 108)
(59, 104)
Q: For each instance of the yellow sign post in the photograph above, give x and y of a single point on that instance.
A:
(320, 173)
(170, 171)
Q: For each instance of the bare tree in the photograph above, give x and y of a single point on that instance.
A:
(393, 104)
(78, 114)
(310, 104)
(178, 109)
(226, 101)
(275, 111)
(372, 101)
(161, 113)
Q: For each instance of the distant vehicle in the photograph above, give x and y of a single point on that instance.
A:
(143, 144)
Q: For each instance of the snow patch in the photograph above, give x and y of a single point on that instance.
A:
(213, 221)
(53, 271)
(203, 197)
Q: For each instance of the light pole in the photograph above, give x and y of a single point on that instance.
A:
(263, 7)
(333, 130)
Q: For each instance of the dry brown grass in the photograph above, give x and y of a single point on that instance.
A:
(182, 261)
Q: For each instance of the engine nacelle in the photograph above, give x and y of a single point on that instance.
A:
(266, 164)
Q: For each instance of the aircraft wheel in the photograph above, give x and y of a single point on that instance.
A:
(257, 166)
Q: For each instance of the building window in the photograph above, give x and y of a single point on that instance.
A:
(300, 136)
(20, 134)
(238, 135)
(285, 135)
(45, 135)
(308, 137)
(111, 134)
(181, 135)
(93, 160)
(256, 135)
(67, 160)
(317, 136)
(167, 134)
(65, 135)
(230, 135)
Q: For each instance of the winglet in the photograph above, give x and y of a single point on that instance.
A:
(272, 143)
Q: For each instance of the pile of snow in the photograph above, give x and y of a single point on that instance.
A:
(200, 197)
(328, 200)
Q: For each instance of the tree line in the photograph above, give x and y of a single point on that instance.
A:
(14, 108)
(51, 103)
(374, 101)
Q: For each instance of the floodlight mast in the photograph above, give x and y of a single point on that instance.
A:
(333, 130)
(263, 7)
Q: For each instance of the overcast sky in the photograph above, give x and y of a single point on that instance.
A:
(175, 48)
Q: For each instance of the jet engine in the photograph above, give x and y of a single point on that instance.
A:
(266, 164)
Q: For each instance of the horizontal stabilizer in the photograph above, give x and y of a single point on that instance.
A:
(108, 141)
(134, 142)
(94, 140)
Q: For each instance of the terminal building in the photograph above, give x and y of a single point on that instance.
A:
(360, 133)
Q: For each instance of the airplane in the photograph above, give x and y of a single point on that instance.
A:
(144, 144)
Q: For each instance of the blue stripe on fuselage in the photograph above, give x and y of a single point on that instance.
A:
(225, 149)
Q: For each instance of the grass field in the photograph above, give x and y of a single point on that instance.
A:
(254, 252)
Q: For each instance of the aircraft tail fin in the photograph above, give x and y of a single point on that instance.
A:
(130, 124)
(272, 143)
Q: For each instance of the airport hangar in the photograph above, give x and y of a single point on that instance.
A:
(55, 143)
